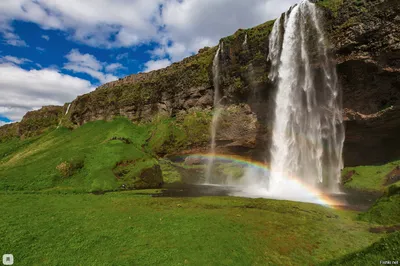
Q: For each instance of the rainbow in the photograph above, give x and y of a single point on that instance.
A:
(323, 199)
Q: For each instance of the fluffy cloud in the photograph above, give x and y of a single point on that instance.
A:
(24, 90)
(114, 67)
(156, 64)
(184, 25)
(193, 24)
(88, 64)
(106, 23)
(46, 37)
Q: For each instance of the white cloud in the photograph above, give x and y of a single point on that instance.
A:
(9, 36)
(114, 67)
(122, 56)
(40, 49)
(14, 60)
(24, 90)
(46, 37)
(88, 64)
(106, 23)
(186, 25)
(193, 24)
(156, 64)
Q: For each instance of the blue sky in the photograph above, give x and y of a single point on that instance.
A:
(52, 51)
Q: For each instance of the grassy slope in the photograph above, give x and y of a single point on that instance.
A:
(385, 211)
(370, 178)
(130, 229)
(387, 249)
(31, 164)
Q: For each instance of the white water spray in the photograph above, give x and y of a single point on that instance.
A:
(308, 132)
(216, 115)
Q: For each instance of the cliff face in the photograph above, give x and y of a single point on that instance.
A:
(366, 42)
(364, 36)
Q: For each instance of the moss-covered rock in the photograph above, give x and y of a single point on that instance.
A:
(36, 122)
(9, 131)
(139, 174)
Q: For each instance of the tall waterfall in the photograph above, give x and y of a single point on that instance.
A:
(216, 115)
(308, 132)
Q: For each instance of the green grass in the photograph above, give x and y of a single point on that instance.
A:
(333, 5)
(126, 228)
(385, 211)
(387, 249)
(370, 178)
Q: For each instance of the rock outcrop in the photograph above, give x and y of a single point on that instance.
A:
(33, 123)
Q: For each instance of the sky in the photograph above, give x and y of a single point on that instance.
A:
(52, 51)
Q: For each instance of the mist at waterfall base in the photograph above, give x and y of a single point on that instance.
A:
(308, 133)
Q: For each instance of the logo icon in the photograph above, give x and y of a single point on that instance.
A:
(8, 259)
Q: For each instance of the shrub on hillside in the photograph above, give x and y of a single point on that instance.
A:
(69, 168)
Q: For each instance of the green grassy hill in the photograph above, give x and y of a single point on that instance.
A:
(96, 148)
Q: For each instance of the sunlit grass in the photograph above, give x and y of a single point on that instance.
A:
(370, 178)
(127, 228)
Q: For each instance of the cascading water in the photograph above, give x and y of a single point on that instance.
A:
(245, 42)
(66, 112)
(69, 106)
(308, 132)
(216, 115)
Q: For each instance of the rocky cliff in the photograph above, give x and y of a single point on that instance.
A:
(366, 43)
(364, 37)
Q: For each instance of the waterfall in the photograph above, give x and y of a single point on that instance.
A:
(66, 112)
(69, 105)
(308, 133)
(245, 41)
(216, 115)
